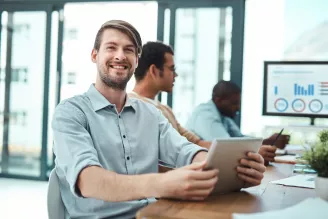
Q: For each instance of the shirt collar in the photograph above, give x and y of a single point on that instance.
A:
(99, 102)
(214, 108)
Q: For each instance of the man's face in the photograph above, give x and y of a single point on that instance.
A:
(116, 59)
(229, 106)
(167, 77)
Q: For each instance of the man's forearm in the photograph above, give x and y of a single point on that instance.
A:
(199, 157)
(96, 182)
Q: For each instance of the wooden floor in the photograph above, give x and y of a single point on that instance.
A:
(23, 199)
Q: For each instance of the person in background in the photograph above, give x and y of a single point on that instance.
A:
(215, 118)
(155, 73)
(108, 145)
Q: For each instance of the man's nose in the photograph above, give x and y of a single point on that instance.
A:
(119, 55)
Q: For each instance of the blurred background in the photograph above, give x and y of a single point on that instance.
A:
(45, 48)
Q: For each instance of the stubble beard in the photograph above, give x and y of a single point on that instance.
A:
(119, 84)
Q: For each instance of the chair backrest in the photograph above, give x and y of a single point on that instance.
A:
(55, 205)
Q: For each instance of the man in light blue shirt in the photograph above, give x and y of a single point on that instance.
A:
(214, 119)
(108, 146)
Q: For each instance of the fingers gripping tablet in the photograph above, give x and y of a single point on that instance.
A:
(225, 154)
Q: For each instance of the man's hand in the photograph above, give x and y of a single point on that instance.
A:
(280, 142)
(252, 170)
(188, 183)
(268, 152)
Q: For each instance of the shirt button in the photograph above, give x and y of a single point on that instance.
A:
(128, 158)
(123, 136)
(119, 116)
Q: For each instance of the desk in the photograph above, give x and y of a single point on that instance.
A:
(261, 198)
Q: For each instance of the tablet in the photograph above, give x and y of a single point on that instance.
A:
(225, 154)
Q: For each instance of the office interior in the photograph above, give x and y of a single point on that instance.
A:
(45, 47)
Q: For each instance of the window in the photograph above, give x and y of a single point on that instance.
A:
(71, 78)
(22, 30)
(16, 117)
(2, 74)
(287, 33)
(17, 74)
(71, 33)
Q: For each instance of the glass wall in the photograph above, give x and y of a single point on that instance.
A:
(34, 54)
(82, 21)
(201, 48)
(21, 133)
(279, 30)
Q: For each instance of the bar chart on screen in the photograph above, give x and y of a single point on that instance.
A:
(303, 90)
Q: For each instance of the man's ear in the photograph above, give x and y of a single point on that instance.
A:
(94, 55)
(153, 71)
(137, 61)
(217, 100)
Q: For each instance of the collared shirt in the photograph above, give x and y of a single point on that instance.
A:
(168, 113)
(208, 123)
(88, 131)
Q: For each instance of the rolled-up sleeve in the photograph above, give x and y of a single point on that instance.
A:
(73, 144)
(175, 149)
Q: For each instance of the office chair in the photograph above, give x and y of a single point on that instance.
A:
(55, 205)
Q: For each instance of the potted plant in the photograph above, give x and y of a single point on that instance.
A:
(317, 158)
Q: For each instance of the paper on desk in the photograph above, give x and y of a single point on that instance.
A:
(309, 208)
(291, 159)
(305, 181)
(296, 147)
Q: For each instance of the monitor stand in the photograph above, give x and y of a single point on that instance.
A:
(312, 121)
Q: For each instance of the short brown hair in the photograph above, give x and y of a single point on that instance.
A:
(124, 27)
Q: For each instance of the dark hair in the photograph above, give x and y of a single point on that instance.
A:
(125, 28)
(152, 53)
(224, 89)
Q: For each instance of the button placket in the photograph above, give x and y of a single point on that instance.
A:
(126, 145)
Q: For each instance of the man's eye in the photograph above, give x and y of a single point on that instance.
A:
(130, 50)
(110, 47)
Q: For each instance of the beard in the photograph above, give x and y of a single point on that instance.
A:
(115, 82)
(118, 84)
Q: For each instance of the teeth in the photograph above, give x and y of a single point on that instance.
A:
(118, 67)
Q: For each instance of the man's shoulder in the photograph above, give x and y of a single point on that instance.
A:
(143, 105)
(207, 106)
(77, 102)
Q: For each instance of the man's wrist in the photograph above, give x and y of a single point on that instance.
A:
(154, 185)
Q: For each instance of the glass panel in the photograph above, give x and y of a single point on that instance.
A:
(53, 83)
(3, 46)
(287, 33)
(166, 39)
(197, 55)
(80, 31)
(26, 92)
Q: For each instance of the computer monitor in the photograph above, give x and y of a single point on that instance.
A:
(296, 88)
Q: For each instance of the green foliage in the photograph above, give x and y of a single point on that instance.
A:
(323, 136)
(317, 156)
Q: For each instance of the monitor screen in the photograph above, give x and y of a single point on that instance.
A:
(296, 89)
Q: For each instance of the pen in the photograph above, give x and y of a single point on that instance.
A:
(277, 137)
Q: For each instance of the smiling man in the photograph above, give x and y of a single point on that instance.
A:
(108, 145)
